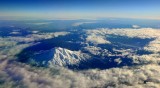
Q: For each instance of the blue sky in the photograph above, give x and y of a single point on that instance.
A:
(81, 9)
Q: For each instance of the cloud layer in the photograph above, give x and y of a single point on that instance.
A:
(146, 75)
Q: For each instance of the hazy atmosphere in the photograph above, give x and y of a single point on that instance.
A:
(80, 9)
(79, 44)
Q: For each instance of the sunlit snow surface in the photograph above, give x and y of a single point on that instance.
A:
(118, 57)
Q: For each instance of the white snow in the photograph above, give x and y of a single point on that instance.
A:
(63, 57)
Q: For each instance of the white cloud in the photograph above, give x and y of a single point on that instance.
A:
(145, 75)
(35, 31)
(80, 23)
(15, 32)
(97, 39)
(40, 23)
(136, 26)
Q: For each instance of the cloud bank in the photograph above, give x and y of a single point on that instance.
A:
(146, 75)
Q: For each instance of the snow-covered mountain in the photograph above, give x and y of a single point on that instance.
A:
(63, 57)
(59, 56)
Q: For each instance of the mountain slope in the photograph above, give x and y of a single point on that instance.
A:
(59, 56)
